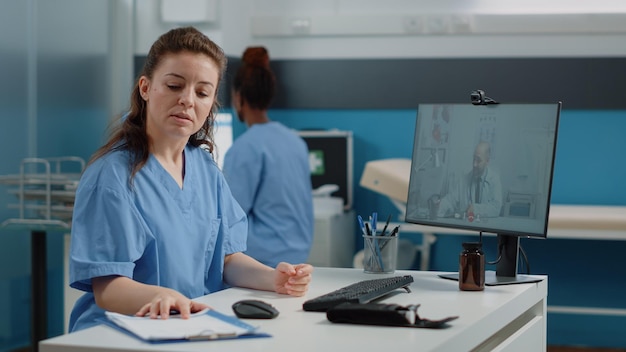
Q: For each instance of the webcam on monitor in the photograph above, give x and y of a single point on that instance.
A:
(478, 97)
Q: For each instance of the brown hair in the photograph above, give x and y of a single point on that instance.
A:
(254, 79)
(130, 133)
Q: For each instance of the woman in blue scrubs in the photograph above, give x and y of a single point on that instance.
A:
(154, 221)
(268, 171)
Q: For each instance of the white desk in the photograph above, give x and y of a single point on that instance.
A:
(510, 318)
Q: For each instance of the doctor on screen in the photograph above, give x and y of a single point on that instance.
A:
(478, 193)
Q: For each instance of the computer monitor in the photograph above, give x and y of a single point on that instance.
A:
(486, 168)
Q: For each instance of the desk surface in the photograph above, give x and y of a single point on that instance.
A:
(481, 315)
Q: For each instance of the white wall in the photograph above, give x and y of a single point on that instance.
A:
(408, 28)
(149, 24)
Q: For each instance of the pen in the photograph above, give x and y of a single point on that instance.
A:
(377, 247)
(386, 224)
(374, 221)
(361, 224)
(370, 245)
(393, 232)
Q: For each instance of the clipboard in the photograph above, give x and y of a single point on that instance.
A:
(201, 326)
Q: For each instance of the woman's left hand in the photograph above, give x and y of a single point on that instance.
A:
(292, 279)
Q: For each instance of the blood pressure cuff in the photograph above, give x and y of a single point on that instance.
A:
(383, 314)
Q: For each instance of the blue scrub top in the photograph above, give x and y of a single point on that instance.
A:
(267, 169)
(152, 231)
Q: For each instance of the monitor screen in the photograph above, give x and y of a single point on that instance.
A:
(486, 168)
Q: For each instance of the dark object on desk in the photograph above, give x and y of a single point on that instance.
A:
(472, 267)
(254, 309)
(359, 292)
(383, 314)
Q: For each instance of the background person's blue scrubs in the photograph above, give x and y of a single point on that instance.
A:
(267, 169)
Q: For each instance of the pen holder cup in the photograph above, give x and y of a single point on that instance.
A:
(380, 254)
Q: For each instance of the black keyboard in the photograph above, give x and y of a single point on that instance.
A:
(359, 292)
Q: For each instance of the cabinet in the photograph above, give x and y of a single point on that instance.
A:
(333, 240)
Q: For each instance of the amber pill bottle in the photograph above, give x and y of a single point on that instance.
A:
(472, 267)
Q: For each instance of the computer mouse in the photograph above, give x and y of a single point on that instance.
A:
(254, 309)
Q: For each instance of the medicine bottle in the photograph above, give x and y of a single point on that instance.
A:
(472, 267)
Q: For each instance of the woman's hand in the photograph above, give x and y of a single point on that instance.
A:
(167, 301)
(126, 296)
(292, 279)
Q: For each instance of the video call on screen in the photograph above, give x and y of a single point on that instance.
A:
(521, 139)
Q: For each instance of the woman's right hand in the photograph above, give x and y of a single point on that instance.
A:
(124, 295)
(169, 300)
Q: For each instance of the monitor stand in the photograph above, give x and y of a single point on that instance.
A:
(506, 268)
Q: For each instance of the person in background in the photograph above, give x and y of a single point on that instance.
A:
(479, 193)
(154, 222)
(267, 169)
